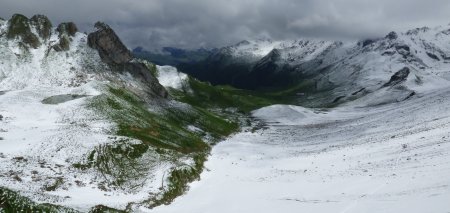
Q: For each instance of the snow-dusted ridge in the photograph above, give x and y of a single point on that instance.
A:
(47, 123)
(340, 71)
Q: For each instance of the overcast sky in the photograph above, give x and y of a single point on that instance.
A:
(209, 23)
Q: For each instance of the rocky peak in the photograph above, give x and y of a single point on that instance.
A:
(109, 46)
(65, 31)
(114, 53)
(42, 25)
(19, 27)
(68, 28)
(392, 35)
(101, 26)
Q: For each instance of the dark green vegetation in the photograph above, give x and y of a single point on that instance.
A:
(178, 181)
(163, 126)
(167, 131)
(205, 95)
(12, 202)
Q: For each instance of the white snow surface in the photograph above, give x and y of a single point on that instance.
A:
(391, 158)
(169, 76)
(39, 143)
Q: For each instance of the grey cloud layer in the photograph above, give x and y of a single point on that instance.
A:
(207, 23)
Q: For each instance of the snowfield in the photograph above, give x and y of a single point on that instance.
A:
(169, 76)
(391, 158)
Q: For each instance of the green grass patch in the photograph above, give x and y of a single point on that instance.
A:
(12, 202)
(206, 96)
(178, 181)
(166, 131)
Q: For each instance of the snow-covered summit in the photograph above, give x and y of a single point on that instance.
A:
(27, 65)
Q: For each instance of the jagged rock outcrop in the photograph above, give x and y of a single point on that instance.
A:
(114, 53)
(392, 36)
(398, 77)
(111, 49)
(65, 32)
(68, 28)
(42, 25)
(19, 27)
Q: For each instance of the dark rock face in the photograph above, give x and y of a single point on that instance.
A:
(114, 53)
(68, 28)
(43, 26)
(63, 44)
(392, 36)
(222, 68)
(399, 77)
(402, 47)
(403, 50)
(141, 72)
(65, 31)
(433, 56)
(268, 72)
(111, 49)
(19, 27)
(367, 42)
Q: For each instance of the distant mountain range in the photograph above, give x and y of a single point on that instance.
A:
(343, 70)
(173, 56)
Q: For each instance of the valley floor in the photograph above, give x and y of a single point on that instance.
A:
(390, 158)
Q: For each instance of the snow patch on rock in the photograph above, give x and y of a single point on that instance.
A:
(169, 76)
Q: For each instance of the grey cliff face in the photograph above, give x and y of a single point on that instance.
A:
(114, 53)
(109, 46)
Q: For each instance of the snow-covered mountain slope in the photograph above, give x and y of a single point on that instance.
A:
(390, 158)
(336, 71)
(247, 63)
(83, 124)
(42, 140)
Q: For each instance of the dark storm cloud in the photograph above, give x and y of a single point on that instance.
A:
(197, 23)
